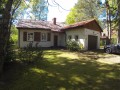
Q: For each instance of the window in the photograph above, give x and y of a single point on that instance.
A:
(76, 37)
(24, 36)
(69, 37)
(30, 36)
(43, 37)
(48, 36)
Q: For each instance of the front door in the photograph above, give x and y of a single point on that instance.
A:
(55, 40)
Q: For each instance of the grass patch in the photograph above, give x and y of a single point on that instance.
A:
(63, 70)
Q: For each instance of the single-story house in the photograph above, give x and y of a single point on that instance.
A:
(49, 34)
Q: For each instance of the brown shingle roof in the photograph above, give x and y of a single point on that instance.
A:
(85, 24)
(35, 24)
(47, 25)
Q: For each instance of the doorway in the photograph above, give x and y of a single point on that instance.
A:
(55, 40)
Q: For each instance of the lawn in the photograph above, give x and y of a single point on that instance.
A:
(64, 70)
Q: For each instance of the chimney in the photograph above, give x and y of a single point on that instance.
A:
(54, 21)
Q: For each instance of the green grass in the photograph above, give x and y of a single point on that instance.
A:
(63, 70)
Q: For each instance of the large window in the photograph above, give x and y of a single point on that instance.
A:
(76, 37)
(30, 36)
(69, 37)
(43, 37)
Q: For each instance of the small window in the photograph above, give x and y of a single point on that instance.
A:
(69, 37)
(76, 37)
(48, 36)
(24, 36)
(30, 36)
(43, 37)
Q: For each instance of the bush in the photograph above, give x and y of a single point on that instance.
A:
(74, 46)
(102, 42)
(29, 54)
(114, 40)
(10, 51)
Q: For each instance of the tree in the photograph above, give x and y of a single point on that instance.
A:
(32, 9)
(118, 20)
(7, 9)
(40, 10)
(83, 10)
(71, 17)
(115, 14)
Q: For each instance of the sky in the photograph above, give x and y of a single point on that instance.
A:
(59, 13)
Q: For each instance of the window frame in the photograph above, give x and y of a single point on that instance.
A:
(28, 36)
(44, 39)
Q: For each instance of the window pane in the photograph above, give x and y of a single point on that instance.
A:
(30, 36)
(43, 38)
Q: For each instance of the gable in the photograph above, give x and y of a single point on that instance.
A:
(89, 24)
(93, 26)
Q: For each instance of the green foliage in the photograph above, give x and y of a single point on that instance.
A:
(71, 16)
(114, 40)
(30, 54)
(11, 45)
(84, 10)
(14, 34)
(64, 70)
(10, 51)
(73, 46)
(102, 42)
(32, 9)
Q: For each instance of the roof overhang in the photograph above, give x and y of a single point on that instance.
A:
(20, 28)
(89, 24)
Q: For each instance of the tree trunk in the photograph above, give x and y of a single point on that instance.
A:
(118, 21)
(4, 31)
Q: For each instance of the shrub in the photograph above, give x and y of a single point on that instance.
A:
(74, 46)
(10, 51)
(29, 54)
(114, 40)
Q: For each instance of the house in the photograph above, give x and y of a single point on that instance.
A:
(105, 37)
(48, 34)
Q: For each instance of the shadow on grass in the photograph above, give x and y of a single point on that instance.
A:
(62, 73)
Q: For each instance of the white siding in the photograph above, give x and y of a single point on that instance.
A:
(81, 32)
(41, 43)
(81, 35)
(94, 33)
(62, 39)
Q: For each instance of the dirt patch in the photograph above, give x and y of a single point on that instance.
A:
(111, 60)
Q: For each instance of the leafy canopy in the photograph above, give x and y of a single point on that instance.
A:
(83, 10)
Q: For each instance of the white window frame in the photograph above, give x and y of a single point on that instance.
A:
(44, 38)
(31, 36)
